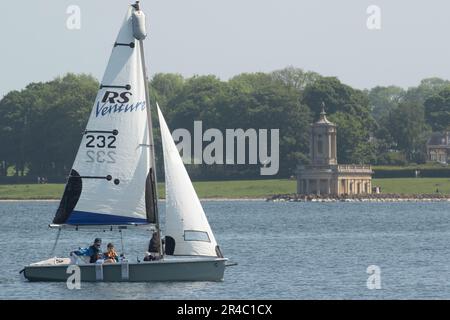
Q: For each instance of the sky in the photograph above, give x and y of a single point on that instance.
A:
(228, 37)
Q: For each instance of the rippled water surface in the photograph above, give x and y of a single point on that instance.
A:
(283, 251)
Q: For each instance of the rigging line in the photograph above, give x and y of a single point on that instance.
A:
(56, 242)
(151, 147)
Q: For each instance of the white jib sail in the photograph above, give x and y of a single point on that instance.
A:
(186, 221)
(113, 159)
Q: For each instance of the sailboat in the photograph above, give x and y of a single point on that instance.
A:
(112, 184)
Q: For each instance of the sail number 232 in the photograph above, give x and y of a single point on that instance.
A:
(101, 142)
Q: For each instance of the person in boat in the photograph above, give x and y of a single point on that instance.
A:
(153, 248)
(94, 251)
(110, 255)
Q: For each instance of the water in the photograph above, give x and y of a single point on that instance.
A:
(284, 251)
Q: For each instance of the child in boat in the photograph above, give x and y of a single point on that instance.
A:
(110, 255)
(93, 252)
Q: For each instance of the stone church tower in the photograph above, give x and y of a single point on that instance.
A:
(324, 176)
(323, 141)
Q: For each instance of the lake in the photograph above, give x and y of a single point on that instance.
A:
(283, 250)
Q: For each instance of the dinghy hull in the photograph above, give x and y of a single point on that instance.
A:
(204, 269)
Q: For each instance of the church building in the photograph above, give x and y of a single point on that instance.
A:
(324, 176)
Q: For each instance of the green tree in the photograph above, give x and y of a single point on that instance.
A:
(349, 110)
(384, 99)
(12, 134)
(437, 110)
(409, 130)
(199, 99)
(164, 87)
(261, 101)
(427, 88)
(41, 126)
(295, 77)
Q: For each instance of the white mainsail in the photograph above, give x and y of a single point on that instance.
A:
(110, 176)
(186, 222)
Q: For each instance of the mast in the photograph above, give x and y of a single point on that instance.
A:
(151, 143)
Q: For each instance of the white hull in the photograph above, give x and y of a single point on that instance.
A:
(175, 269)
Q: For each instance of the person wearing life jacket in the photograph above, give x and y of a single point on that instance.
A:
(94, 251)
(110, 255)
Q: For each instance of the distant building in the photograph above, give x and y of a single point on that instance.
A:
(324, 175)
(438, 147)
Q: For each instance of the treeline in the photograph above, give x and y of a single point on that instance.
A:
(41, 126)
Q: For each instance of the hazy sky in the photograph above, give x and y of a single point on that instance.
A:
(228, 37)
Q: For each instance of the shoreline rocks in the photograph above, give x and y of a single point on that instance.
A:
(360, 198)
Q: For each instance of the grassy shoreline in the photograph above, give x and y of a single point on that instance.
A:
(244, 189)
